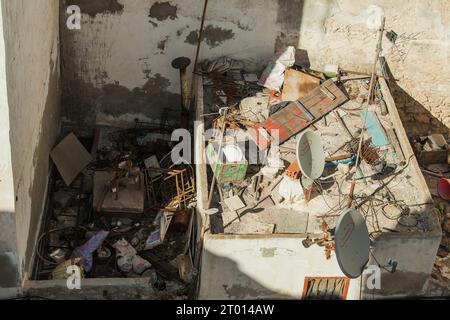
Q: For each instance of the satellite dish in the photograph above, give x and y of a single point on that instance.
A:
(310, 155)
(352, 243)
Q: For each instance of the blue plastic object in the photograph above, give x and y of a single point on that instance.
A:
(375, 129)
(86, 250)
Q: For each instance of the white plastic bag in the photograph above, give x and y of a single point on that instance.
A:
(273, 77)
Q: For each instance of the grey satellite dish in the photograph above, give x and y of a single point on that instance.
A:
(352, 243)
(310, 155)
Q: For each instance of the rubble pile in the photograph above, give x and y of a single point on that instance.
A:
(294, 147)
(126, 211)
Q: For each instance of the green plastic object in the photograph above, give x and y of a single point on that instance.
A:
(228, 171)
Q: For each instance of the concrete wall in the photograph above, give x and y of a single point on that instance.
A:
(9, 262)
(263, 268)
(274, 267)
(335, 31)
(118, 64)
(30, 31)
(415, 254)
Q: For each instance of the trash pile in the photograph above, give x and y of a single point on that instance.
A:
(294, 147)
(121, 210)
(441, 269)
(433, 154)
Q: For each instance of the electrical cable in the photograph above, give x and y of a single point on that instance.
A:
(41, 257)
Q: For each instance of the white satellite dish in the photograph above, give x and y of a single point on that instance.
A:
(352, 243)
(310, 155)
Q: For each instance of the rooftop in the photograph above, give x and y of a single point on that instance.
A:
(388, 191)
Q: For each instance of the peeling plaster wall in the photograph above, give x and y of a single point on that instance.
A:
(119, 64)
(9, 270)
(30, 30)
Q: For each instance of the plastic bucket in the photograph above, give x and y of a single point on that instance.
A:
(443, 188)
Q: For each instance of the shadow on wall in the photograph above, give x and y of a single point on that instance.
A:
(417, 120)
(289, 17)
(83, 101)
(221, 278)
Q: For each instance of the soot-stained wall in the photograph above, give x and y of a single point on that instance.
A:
(118, 65)
(31, 37)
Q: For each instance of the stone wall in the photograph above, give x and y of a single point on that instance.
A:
(338, 33)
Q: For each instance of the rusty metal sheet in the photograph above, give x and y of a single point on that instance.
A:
(291, 120)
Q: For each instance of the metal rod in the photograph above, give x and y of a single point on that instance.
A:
(181, 64)
(211, 191)
(377, 56)
(200, 35)
(372, 86)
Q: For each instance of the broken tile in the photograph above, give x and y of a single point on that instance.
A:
(234, 203)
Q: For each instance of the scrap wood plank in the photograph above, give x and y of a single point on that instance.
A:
(292, 120)
(70, 157)
(297, 84)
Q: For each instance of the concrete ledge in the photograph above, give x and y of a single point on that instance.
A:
(101, 289)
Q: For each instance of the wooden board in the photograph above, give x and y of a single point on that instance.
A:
(291, 120)
(70, 157)
(297, 84)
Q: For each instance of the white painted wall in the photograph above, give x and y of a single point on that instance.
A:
(121, 46)
(9, 266)
(6, 178)
(30, 30)
(263, 268)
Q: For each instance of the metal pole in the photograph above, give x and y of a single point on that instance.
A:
(200, 35)
(213, 182)
(181, 64)
(377, 55)
(372, 86)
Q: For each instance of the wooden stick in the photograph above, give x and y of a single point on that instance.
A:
(211, 191)
(377, 55)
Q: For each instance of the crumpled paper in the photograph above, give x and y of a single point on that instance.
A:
(273, 76)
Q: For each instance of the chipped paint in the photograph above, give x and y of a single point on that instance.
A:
(163, 11)
(163, 43)
(268, 252)
(241, 291)
(214, 36)
(96, 7)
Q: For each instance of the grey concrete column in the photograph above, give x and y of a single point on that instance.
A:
(9, 258)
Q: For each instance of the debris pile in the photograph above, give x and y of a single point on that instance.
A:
(295, 147)
(433, 154)
(121, 210)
